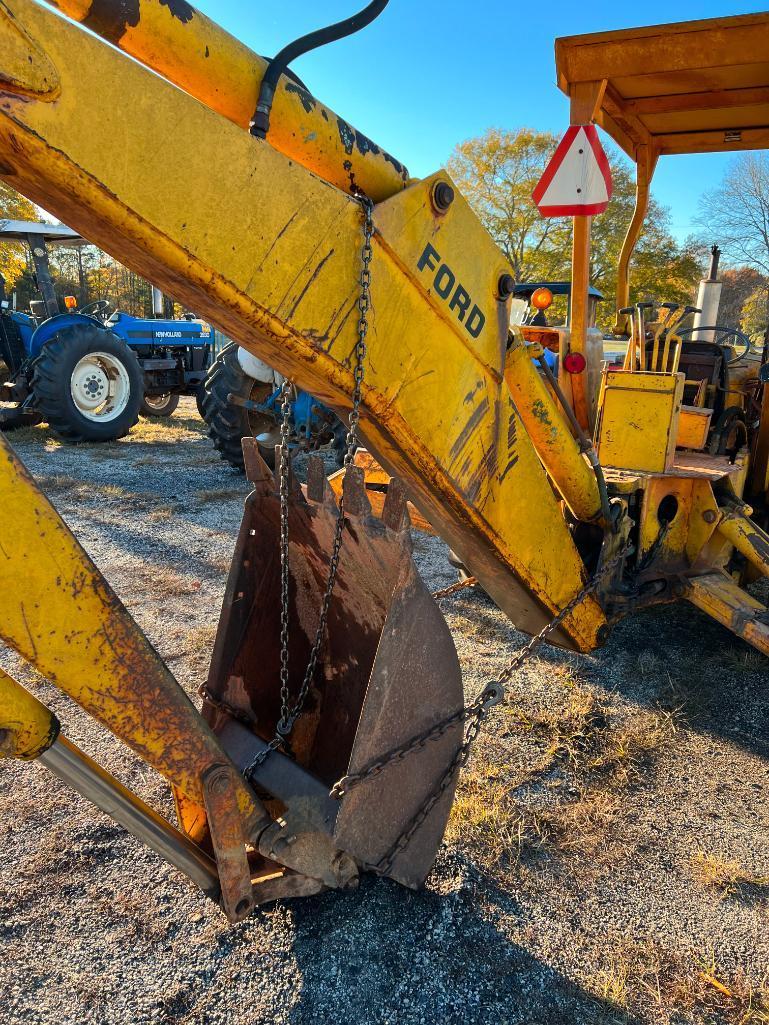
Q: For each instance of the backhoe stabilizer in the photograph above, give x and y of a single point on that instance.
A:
(725, 601)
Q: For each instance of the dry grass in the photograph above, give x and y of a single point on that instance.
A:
(163, 582)
(165, 432)
(636, 974)
(737, 659)
(220, 564)
(583, 738)
(220, 495)
(485, 817)
(38, 435)
(162, 513)
(68, 487)
(196, 645)
(200, 640)
(727, 876)
(568, 803)
(627, 751)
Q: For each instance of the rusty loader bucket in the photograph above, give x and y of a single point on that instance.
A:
(387, 672)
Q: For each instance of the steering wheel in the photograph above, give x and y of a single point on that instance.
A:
(96, 309)
(721, 336)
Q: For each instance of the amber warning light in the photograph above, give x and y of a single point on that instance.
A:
(70, 302)
(541, 298)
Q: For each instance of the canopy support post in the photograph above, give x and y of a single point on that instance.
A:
(646, 162)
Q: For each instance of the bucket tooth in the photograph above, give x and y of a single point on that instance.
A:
(294, 488)
(257, 471)
(356, 501)
(395, 514)
(317, 483)
(387, 670)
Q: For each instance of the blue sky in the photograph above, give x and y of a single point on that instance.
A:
(430, 73)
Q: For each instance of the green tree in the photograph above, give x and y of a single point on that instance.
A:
(753, 319)
(498, 171)
(497, 174)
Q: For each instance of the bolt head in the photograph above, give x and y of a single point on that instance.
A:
(709, 516)
(505, 286)
(443, 196)
(219, 784)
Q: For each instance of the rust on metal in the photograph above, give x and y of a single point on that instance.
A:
(388, 669)
(377, 484)
(228, 840)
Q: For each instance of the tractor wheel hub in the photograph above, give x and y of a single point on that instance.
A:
(100, 386)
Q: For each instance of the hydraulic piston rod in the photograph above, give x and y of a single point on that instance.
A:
(94, 783)
(30, 731)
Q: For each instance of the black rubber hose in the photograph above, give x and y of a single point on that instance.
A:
(260, 125)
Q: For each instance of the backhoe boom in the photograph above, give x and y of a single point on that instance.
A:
(268, 252)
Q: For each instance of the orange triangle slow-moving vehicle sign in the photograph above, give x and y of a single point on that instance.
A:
(577, 181)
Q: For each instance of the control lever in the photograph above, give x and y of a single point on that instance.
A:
(641, 309)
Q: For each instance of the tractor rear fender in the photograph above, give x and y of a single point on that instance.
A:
(52, 327)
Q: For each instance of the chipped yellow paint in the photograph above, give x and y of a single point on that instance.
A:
(746, 536)
(271, 255)
(692, 527)
(58, 612)
(201, 58)
(551, 434)
(638, 419)
(719, 596)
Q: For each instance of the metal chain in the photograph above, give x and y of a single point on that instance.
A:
(285, 472)
(290, 713)
(650, 556)
(473, 715)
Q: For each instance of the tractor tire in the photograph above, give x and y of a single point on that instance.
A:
(153, 406)
(87, 385)
(228, 423)
(200, 394)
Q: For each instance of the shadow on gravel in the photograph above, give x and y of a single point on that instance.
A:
(675, 657)
(139, 541)
(389, 955)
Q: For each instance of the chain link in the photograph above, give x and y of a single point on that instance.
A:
(289, 713)
(651, 555)
(473, 715)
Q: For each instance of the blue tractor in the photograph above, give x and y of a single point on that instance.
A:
(90, 373)
(241, 398)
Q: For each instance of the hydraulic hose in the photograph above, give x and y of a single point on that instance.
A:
(260, 125)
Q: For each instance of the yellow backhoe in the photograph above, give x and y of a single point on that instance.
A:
(334, 722)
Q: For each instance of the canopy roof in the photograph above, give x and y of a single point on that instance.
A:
(688, 87)
(56, 233)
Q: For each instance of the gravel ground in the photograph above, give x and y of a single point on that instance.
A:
(608, 859)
